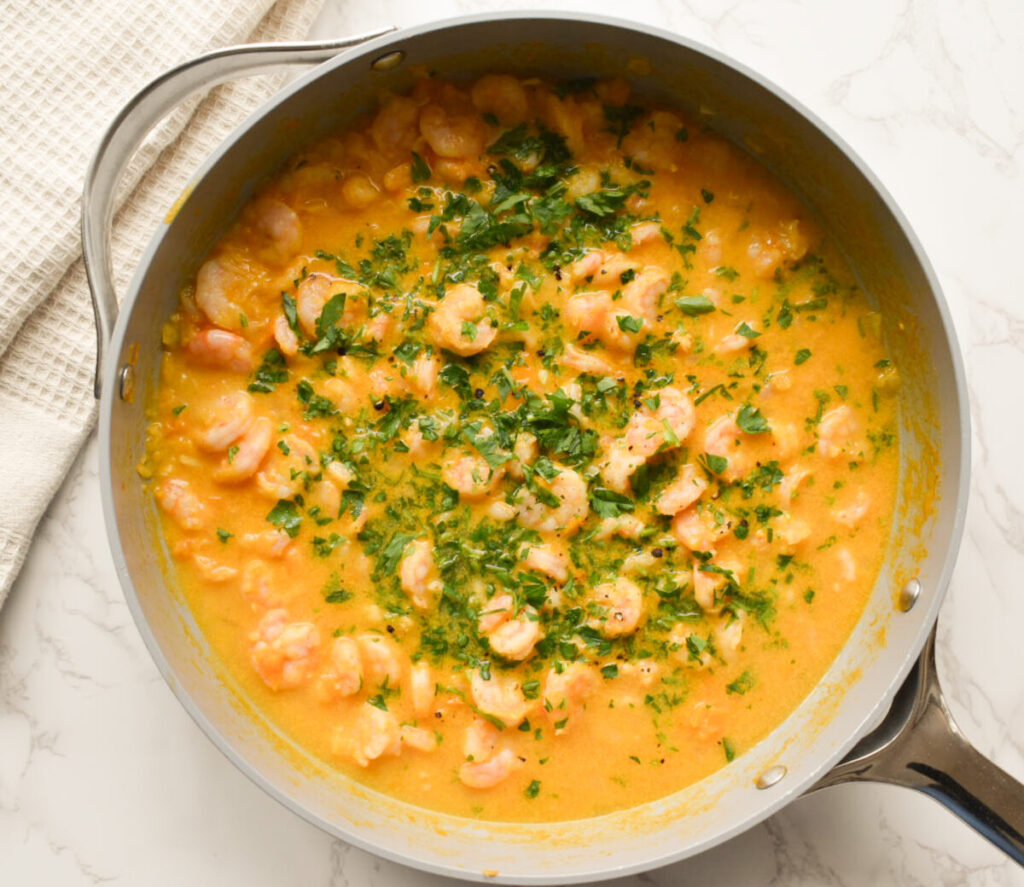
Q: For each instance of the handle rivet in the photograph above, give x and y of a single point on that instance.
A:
(126, 382)
(389, 61)
(908, 596)
(768, 778)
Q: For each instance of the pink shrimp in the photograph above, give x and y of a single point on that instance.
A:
(222, 350)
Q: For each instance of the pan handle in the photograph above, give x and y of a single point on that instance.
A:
(147, 108)
(918, 745)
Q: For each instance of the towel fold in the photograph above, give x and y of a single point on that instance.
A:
(66, 69)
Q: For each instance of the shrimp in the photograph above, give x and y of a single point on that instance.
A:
(278, 230)
(639, 562)
(787, 440)
(600, 268)
(451, 135)
(525, 450)
(382, 660)
(501, 95)
(471, 476)
(724, 438)
(417, 738)
(487, 774)
(836, 432)
(686, 489)
(344, 676)
(284, 336)
(177, 500)
(289, 468)
(219, 289)
(269, 543)
(424, 374)
(511, 635)
(500, 510)
(459, 323)
(243, 458)
(570, 489)
(312, 295)
(586, 312)
(485, 764)
(359, 191)
(499, 697)
(395, 128)
(646, 671)
(728, 635)
(694, 528)
(339, 474)
(708, 721)
(212, 571)
(710, 247)
(736, 341)
(587, 265)
(481, 740)
(284, 653)
(627, 526)
(644, 232)
(852, 514)
(847, 565)
(707, 583)
(694, 655)
(222, 350)
(398, 178)
(790, 483)
(422, 689)
(653, 143)
(619, 607)
(566, 691)
(642, 294)
(418, 574)
(325, 497)
(374, 734)
(413, 438)
(787, 532)
(768, 250)
(566, 117)
(576, 358)
(257, 587)
(545, 559)
(648, 431)
(223, 422)
(622, 330)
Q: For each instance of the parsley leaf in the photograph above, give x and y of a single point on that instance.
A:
(750, 420)
(272, 371)
(629, 324)
(285, 516)
(741, 685)
(691, 306)
(608, 503)
(420, 170)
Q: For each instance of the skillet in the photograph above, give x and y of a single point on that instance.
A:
(879, 705)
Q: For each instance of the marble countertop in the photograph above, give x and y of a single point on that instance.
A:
(103, 776)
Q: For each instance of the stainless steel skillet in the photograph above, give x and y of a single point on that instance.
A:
(916, 744)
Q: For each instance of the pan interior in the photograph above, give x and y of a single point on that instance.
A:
(662, 68)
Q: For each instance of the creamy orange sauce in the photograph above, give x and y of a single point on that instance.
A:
(525, 452)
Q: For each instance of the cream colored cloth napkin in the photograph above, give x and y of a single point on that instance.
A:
(66, 68)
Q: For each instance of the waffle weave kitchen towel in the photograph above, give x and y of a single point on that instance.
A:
(66, 68)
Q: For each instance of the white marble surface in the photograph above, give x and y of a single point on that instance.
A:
(103, 777)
